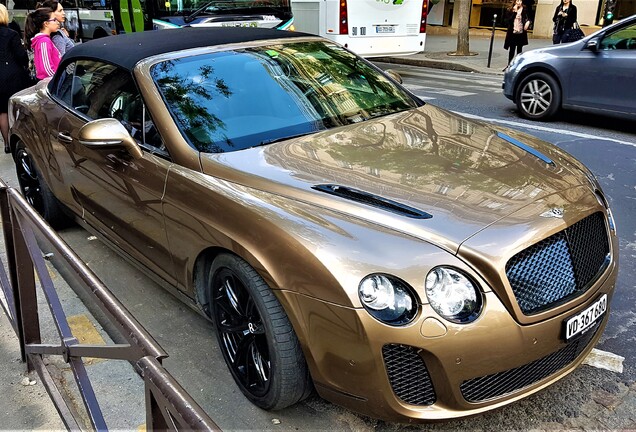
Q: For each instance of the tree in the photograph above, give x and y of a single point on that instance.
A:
(462, 28)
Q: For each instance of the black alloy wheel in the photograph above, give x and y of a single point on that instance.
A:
(242, 334)
(35, 190)
(28, 179)
(255, 336)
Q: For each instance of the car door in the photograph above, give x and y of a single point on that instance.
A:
(604, 79)
(120, 196)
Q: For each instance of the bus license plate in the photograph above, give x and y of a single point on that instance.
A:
(582, 321)
(385, 29)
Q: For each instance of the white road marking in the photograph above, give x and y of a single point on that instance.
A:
(455, 85)
(447, 77)
(437, 90)
(544, 129)
(423, 97)
(605, 360)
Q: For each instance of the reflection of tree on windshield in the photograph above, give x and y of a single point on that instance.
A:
(184, 93)
(260, 95)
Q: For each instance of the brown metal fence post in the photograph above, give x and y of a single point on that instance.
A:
(10, 285)
(27, 317)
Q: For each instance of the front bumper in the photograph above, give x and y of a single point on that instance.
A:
(432, 369)
(508, 84)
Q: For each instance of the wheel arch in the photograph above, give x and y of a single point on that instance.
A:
(200, 284)
(274, 273)
(13, 143)
(100, 32)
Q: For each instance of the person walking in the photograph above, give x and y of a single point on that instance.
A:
(517, 33)
(60, 38)
(13, 70)
(564, 19)
(39, 26)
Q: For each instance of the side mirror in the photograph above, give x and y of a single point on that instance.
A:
(393, 74)
(108, 133)
(592, 45)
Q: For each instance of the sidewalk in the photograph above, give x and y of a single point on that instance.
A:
(440, 41)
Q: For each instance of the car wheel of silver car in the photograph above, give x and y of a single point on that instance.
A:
(35, 190)
(538, 96)
(257, 340)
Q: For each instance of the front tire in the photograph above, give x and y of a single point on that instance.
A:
(538, 96)
(256, 338)
(35, 190)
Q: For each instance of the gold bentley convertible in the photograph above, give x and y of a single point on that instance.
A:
(342, 235)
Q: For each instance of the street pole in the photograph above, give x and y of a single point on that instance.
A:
(492, 38)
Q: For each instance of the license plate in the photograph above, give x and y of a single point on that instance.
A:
(577, 324)
(385, 29)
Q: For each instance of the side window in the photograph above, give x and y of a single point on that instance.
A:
(624, 38)
(101, 90)
(69, 88)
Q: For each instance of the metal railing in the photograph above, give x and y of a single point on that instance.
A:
(168, 405)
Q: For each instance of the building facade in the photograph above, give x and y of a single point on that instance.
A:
(590, 13)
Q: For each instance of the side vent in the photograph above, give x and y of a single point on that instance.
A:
(372, 200)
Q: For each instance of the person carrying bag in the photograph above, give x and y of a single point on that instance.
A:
(564, 19)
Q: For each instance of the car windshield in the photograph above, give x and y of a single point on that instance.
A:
(232, 100)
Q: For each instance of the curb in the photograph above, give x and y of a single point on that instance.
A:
(435, 64)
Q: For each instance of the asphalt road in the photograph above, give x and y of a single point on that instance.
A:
(589, 398)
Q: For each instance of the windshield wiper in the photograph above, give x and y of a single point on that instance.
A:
(196, 13)
(284, 138)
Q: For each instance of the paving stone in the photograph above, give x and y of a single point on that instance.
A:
(606, 399)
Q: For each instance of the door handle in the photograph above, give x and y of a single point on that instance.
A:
(62, 136)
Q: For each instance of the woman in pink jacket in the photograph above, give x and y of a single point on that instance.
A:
(37, 31)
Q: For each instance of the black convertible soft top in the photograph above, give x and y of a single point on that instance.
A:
(128, 49)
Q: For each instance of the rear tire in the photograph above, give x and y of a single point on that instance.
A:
(256, 337)
(35, 190)
(538, 97)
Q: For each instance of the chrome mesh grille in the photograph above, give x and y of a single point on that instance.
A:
(558, 267)
(499, 384)
(408, 375)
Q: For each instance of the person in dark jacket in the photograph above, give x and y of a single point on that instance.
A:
(13, 70)
(564, 19)
(517, 33)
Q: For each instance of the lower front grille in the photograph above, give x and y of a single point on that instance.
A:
(408, 375)
(499, 384)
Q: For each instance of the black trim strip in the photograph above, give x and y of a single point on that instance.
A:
(372, 200)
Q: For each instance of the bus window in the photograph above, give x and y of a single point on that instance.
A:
(227, 13)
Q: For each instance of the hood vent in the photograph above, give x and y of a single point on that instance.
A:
(372, 200)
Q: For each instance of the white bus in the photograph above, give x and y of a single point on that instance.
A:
(370, 28)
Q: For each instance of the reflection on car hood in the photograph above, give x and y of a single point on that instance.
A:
(467, 175)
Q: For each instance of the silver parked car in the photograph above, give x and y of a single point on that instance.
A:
(596, 74)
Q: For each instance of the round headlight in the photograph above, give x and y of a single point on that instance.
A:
(453, 295)
(387, 299)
